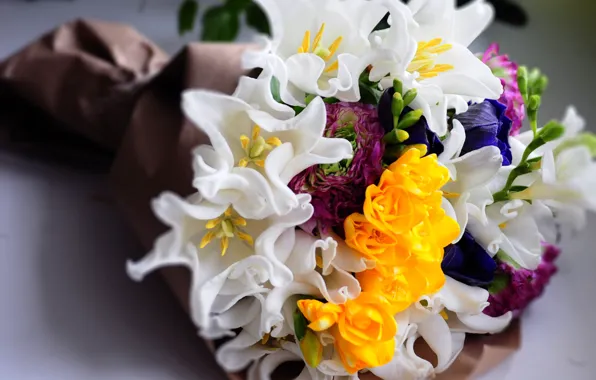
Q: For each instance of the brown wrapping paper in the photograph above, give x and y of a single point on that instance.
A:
(102, 85)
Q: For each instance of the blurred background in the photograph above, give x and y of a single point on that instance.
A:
(68, 311)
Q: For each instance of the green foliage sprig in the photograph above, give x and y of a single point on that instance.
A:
(221, 23)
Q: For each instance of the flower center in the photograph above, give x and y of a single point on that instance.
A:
(256, 148)
(324, 52)
(225, 227)
(424, 60)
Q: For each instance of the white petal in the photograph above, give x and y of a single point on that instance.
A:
(257, 93)
(476, 168)
(453, 143)
(435, 332)
(236, 354)
(470, 77)
(471, 20)
(482, 323)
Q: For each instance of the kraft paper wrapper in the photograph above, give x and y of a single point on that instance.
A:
(93, 92)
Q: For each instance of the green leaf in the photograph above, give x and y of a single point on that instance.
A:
(300, 324)
(370, 95)
(312, 349)
(275, 89)
(238, 6)
(256, 18)
(187, 14)
(220, 24)
(518, 188)
(499, 283)
(502, 256)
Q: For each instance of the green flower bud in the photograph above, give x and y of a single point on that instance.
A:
(540, 86)
(410, 119)
(398, 86)
(312, 349)
(402, 135)
(553, 130)
(409, 96)
(397, 104)
(534, 103)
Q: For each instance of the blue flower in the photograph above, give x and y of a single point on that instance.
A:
(419, 132)
(467, 262)
(486, 125)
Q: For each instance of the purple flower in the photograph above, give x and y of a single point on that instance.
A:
(519, 287)
(506, 70)
(486, 124)
(419, 133)
(467, 262)
(338, 190)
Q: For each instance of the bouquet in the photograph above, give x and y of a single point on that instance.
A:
(370, 192)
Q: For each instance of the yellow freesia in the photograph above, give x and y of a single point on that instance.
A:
(320, 315)
(407, 193)
(363, 328)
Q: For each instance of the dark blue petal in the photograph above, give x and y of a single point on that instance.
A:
(420, 133)
(486, 125)
(468, 262)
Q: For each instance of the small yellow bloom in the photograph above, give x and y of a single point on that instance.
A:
(365, 238)
(408, 191)
(365, 334)
(320, 315)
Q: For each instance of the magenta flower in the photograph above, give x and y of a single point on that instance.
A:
(522, 286)
(506, 70)
(338, 190)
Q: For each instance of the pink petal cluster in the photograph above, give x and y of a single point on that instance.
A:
(524, 285)
(506, 70)
(339, 191)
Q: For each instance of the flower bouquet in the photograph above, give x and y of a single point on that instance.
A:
(370, 193)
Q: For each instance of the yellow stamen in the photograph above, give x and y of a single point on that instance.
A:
(213, 223)
(503, 225)
(224, 245)
(209, 236)
(319, 261)
(239, 221)
(228, 212)
(260, 163)
(243, 162)
(424, 60)
(273, 141)
(443, 314)
(319, 35)
(245, 237)
(334, 66)
(333, 48)
(305, 43)
(244, 141)
(266, 338)
(256, 131)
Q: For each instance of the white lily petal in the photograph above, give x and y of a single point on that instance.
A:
(436, 334)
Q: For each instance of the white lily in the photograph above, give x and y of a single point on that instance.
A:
(253, 154)
(568, 174)
(468, 192)
(442, 321)
(515, 227)
(318, 47)
(441, 68)
(321, 267)
(216, 244)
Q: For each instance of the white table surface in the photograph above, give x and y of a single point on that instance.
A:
(68, 311)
